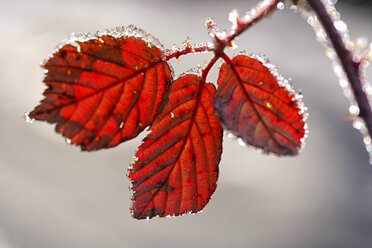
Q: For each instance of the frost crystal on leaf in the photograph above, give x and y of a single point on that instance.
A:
(118, 32)
(27, 118)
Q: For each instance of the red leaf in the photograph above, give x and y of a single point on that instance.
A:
(177, 164)
(255, 107)
(103, 90)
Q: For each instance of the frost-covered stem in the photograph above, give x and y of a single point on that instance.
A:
(350, 67)
(262, 9)
(239, 25)
(205, 47)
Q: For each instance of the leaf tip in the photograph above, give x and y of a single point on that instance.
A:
(27, 118)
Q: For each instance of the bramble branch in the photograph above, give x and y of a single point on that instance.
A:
(224, 38)
(188, 49)
(350, 67)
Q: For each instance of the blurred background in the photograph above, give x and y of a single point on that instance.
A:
(53, 195)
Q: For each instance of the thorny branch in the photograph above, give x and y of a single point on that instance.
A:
(350, 67)
(223, 39)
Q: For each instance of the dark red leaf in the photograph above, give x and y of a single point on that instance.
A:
(177, 164)
(103, 90)
(254, 106)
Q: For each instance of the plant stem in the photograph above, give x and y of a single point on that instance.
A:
(205, 47)
(350, 67)
(261, 10)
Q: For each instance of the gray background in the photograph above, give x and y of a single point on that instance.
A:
(53, 195)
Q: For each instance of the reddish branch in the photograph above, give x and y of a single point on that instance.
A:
(261, 10)
(188, 49)
(350, 67)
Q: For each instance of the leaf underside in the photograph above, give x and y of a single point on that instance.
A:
(103, 91)
(252, 105)
(177, 164)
